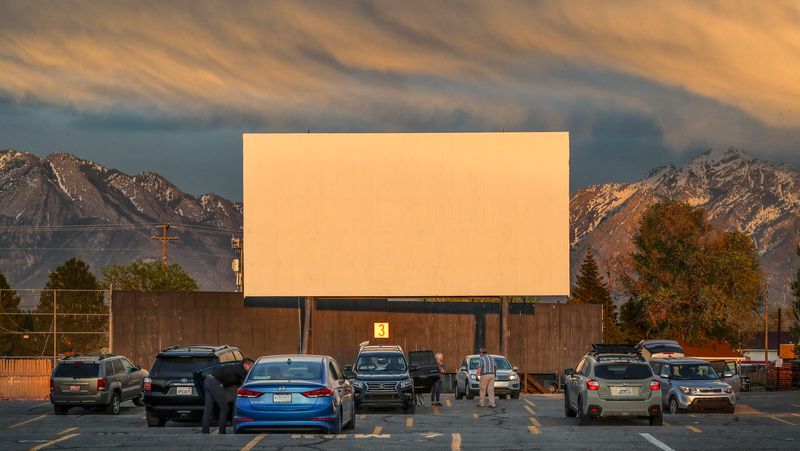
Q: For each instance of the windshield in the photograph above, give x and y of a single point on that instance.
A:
(394, 363)
(304, 371)
(501, 362)
(623, 371)
(180, 367)
(693, 372)
(77, 369)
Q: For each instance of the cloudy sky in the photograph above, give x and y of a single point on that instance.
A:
(170, 86)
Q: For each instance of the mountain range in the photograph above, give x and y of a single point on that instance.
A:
(737, 191)
(60, 206)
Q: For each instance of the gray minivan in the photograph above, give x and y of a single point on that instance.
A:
(100, 380)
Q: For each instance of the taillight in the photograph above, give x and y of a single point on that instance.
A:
(320, 393)
(148, 384)
(592, 384)
(655, 385)
(52, 385)
(101, 384)
(245, 393)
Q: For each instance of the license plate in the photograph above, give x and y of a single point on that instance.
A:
(622, 391)
(184, 391)
(282, 398)
(74, 388)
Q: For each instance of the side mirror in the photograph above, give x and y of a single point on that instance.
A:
(348, 368)
(569, 371)
(349, 374)
(515, 369)
(463, 368)
(137, 368)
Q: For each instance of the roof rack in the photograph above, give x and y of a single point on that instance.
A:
(603, 348)
(202, 347)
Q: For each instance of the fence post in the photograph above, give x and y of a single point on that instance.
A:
(110, 319)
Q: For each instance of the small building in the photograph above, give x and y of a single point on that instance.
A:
(712, 350)
(755, 350)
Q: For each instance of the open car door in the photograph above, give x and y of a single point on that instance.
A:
(425, 372)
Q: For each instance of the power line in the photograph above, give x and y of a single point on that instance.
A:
(101, 250)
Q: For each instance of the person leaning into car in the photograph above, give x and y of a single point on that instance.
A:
(216, 379)
(487, 368)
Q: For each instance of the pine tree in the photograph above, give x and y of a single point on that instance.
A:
(591, 289)
(148, 276)
(9, 321)
(795, 330)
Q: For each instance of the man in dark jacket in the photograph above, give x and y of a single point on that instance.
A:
(215, 380)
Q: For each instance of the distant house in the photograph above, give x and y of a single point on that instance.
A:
(712, 350)
(755, 350)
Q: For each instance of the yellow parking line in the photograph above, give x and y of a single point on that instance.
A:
(254, 442)
(795, 404)
(42, 404)
(781, 420)
(29, 420)
(534, 421)
(455, 445)
(475, 415)
(534, 430)
(693, 428)
(796, 414)
(448, 403)
(377, 430)
(66, 431)
(693, 415)
(530, 403)
(436, 411)
(53, 442)
(409, 422)
(530, 410)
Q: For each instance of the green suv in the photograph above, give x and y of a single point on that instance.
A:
(100, 380)
(611, 381)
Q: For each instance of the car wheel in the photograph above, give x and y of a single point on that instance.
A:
(60, 410)
(583, 420)
(515, 395)
(732, 409)
(337, 428)
(674, 409)
(113, 406)
(568, 411)
(657, 419)
(503, 396)
(139, 400)
(352, 423)
(154, 421)
(459, 393)
(470, 395)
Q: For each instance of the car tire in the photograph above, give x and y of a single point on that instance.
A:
(674, 408)
(657, 420)
(568, 410)
(732, 409)
(139, 400)
(60, 410)
(459, 393)
(154, 421)
(113, 407)
(470, 395)
(503, 396)
(583, 420)
(352, 423)
(515, 395)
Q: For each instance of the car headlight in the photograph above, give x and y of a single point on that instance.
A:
(406, 383)
(728, 390)
(513, 377)
(689, 390)
(473, 377)
(356, 383)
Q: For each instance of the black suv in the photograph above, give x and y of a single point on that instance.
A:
(169, 391)
(381, 377)
(97, 380)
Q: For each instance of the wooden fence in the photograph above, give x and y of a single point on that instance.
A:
(544, 338)
(25, 378)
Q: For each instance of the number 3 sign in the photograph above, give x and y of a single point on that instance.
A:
(381, 330)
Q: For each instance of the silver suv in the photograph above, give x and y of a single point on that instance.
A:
(610, 381)
(692, 384)
(100, 380)
(506, 381)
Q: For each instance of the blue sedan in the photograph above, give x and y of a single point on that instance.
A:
(295, 392)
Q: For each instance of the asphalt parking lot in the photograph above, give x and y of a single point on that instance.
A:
(764, 420)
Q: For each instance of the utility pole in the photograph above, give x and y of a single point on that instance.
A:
(55, 329)
(164, 238)
(766, 324)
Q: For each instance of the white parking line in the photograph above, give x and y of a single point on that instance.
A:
(475, 415)
(535, 422)
(53, 442)
(455, 445)
(530, 403)
(530, 410)
(253, 442)
(658, 443)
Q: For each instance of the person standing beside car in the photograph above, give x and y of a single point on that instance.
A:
(487, 368)
(436, 390)
(216, 379)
